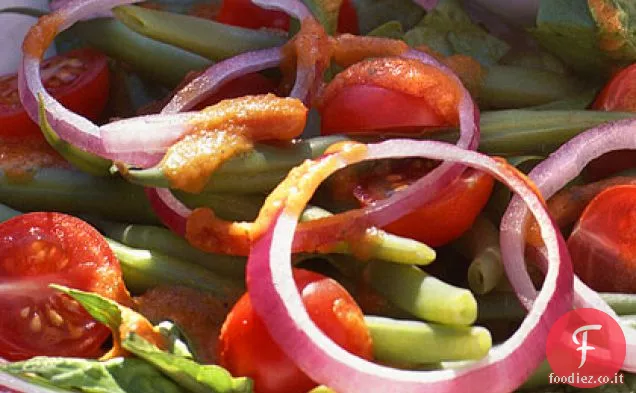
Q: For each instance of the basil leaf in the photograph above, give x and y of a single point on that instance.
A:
(185, 372)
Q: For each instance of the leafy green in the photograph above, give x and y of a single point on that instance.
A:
(617, 40)
(449, 30)
(566, 29)
(326, 12)
(373, 13)
(103, 310)
(117, 375)
(176, 339)
(187, 373)
(390, 29)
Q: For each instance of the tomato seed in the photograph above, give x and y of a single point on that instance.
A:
(55, 318)
(36, 323)
(24, 313)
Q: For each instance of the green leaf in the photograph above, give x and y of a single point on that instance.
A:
(185, 372)
(103, 310)
(82, 160)
(85, 375)
(176, 339)
(326, 12)
(373, 13)
(120, 375)
(567, 29)
(449, 30)
(391, 29)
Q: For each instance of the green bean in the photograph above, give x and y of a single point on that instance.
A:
(82, 160)
(209, 39)
(579, 101)
(530, 132)
(265, 166)
(232, 207)
(145, 269)
(413, 342)
(481, 244)
(153, 59)
(70, 191)
(423, 295)
(505, 306)
(517, 87)
(165, 242)
(379, 244)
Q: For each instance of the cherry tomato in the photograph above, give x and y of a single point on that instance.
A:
(619, 95)
(78, 79)
(247, 349)
(366, 108)
(603, 242)
(440, 221)
(244, 13)
(348, 18)
(37, 249)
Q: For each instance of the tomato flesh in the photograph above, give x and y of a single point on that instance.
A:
(620, 92)
(244, 13)
(37, 249)
(348, 18)
(247, 349)
(603, 243)
(439, 221)
(366, 108)
(78, 79)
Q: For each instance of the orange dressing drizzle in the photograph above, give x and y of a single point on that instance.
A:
(350, 49)
(133, 322)
(612, 35)
(226, 129)
(206, 231)
(41, 35)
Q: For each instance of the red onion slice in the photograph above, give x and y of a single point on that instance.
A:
(172, 212)
(275, 298)
(550, 176)
(293, 8)
(70, 126)
(220, 73)
(20, 385)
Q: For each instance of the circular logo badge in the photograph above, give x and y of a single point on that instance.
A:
(585, 348)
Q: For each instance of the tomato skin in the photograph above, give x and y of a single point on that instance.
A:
(443, 219)
(41, 248)
(366, 108)
(619, 95)
(86, 94)
(244, 13)
(247, 349)
(603, 242)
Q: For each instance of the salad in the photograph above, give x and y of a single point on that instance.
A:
(315, 196)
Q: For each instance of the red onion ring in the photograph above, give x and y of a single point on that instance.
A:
(275, 298)
(293, 8)
(550, 176)
(55, 5)
(218, 74)
(172, 212)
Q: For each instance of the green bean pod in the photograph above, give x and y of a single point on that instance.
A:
(423, 295)
(6, 213)
(153, 59)
(145, 269)
(259, 170)
(414, 342)
(379, 244)
(165, 242)
(213, 40)
(481, 244)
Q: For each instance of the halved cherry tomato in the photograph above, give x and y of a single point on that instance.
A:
(244, 13)
(247, 349)
(37, 249)
(440, 221)
(367, 108)
(603, 243)
(78, 79)
(619, 95)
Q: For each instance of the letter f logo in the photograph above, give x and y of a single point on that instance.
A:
(583, 344)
